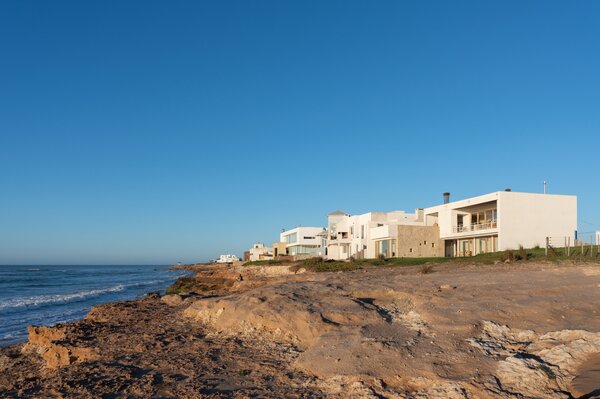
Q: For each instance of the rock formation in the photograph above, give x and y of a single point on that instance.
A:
(459, 332)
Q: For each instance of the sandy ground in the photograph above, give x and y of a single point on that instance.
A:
(524, 330)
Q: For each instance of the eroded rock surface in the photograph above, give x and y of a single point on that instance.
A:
(460, 332)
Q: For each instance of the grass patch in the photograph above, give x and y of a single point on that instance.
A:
(335, 266)
(269, 262)
(318, 264)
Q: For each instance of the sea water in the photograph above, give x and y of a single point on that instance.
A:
(46, 295)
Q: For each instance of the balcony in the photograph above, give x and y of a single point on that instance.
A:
(475, 227)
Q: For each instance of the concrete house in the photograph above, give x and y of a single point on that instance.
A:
(501, 220)
(304, 241)
(260, 252)
(375, 233)
(227, 259)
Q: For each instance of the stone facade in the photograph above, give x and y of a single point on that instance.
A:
(419, 241)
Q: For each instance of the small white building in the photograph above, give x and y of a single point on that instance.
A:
(304, 241)
(260, 252)
(227, 259)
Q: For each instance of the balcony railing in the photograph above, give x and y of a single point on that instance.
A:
(475, 227)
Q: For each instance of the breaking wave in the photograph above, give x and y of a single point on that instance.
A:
(58, 298)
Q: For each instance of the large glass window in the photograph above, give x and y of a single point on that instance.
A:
(291, 238)
(386, 248)
(484, 219)
(302, 250)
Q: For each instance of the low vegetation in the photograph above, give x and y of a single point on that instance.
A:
(269, 262)
(510, 256)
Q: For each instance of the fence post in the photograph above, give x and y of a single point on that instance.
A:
(591, 246)
(547, 244)
(568, 246)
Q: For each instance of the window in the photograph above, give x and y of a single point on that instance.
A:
(352, 230)
(290, 238)
(433, 245)
(484, 219)
(386, 248)
(362, 231)
(309, 238)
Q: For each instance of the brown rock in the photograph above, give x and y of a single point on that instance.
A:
(172, 299)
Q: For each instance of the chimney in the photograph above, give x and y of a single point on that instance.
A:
(446, 198)
(508, 190)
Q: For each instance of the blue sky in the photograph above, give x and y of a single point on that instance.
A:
(157, 132)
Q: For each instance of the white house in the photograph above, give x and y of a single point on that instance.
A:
(367, 235)
(260, 252)
(502, 220)
(227, 259)
(304, 241)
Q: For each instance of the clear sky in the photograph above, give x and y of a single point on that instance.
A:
(157, 132)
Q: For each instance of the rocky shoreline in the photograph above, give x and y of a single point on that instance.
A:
(456, 331)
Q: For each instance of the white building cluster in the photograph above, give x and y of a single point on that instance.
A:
(488, 223)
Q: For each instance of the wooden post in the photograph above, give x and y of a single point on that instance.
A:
(568, 246)
(547, 244)
(591, 246)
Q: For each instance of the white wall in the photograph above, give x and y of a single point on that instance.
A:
(527, 219)
(301, 233)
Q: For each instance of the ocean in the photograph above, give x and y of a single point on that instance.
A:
(46, 295)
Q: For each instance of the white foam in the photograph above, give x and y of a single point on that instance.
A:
(58, 298)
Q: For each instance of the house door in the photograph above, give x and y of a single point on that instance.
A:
(449, 248)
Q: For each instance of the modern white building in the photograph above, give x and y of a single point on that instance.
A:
(488, 223)
(502, 220)
(260, 252)
(304, 241)
(227, 259)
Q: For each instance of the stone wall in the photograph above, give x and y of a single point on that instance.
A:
(419, 241)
